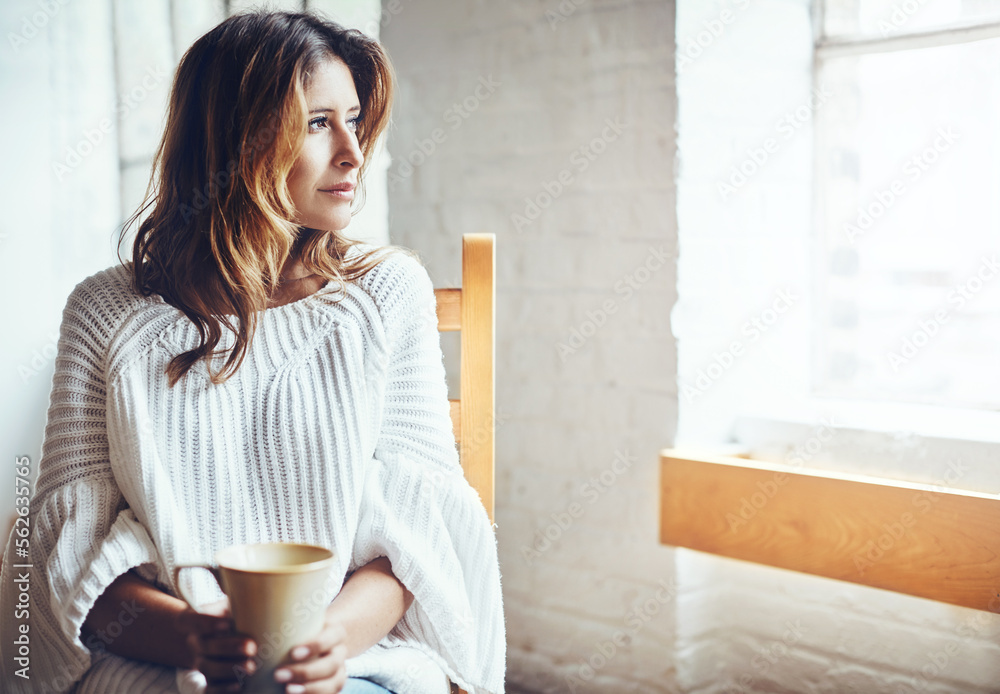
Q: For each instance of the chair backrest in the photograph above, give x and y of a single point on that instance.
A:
(471, 309)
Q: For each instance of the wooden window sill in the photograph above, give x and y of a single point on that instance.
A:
(909, 538)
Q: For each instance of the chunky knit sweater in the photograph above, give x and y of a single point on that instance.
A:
(335, 430)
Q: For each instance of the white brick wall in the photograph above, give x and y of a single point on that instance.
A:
(732, 626)
(557, 79)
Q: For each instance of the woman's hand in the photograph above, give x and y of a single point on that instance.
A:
(223, 656)
(318, 665)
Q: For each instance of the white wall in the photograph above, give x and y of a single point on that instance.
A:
(577, 270)
(84, 86)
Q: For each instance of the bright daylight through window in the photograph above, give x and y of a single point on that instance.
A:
(838, 202)
(908, 197)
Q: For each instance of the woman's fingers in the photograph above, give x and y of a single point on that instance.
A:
(227, 646)
(190, 621)
(226, 670)
(194, 625)
(225, 658)
(329, 686)
(333, 634)
(315, 669)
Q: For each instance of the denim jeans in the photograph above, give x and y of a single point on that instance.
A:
(359, 685)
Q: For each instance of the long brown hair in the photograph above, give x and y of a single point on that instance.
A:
(220, 229)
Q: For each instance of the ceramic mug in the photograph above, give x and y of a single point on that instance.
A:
(277, 596)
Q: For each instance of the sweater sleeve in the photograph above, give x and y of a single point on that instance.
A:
(419, 510)
(81, 533)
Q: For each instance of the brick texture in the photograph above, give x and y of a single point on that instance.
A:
(552, 126)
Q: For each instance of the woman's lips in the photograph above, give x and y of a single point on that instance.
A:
(344, 191)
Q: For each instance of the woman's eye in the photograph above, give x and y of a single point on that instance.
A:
(320, 121)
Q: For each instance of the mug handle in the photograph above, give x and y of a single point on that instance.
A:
(213, 568)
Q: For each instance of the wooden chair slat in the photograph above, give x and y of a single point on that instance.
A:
(449, 309)
(471, 310)
(477, 379)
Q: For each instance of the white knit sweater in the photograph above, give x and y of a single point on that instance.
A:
(335, 430)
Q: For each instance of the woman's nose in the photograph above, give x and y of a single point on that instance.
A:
(348, 151)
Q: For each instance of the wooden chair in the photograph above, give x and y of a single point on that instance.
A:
(471, 310)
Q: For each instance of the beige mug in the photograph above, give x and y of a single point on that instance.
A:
(277, 595)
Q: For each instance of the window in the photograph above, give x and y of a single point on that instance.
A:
(908, 203)
(849, 20)
(839, 217)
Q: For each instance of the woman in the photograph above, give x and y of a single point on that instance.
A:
(326, 423)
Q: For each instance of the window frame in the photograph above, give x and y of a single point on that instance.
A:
(883, 416)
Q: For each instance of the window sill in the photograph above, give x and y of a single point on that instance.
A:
(917, 539)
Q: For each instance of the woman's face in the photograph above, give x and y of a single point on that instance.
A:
(323, 178)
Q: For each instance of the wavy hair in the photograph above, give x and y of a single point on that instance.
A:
(219, 227)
